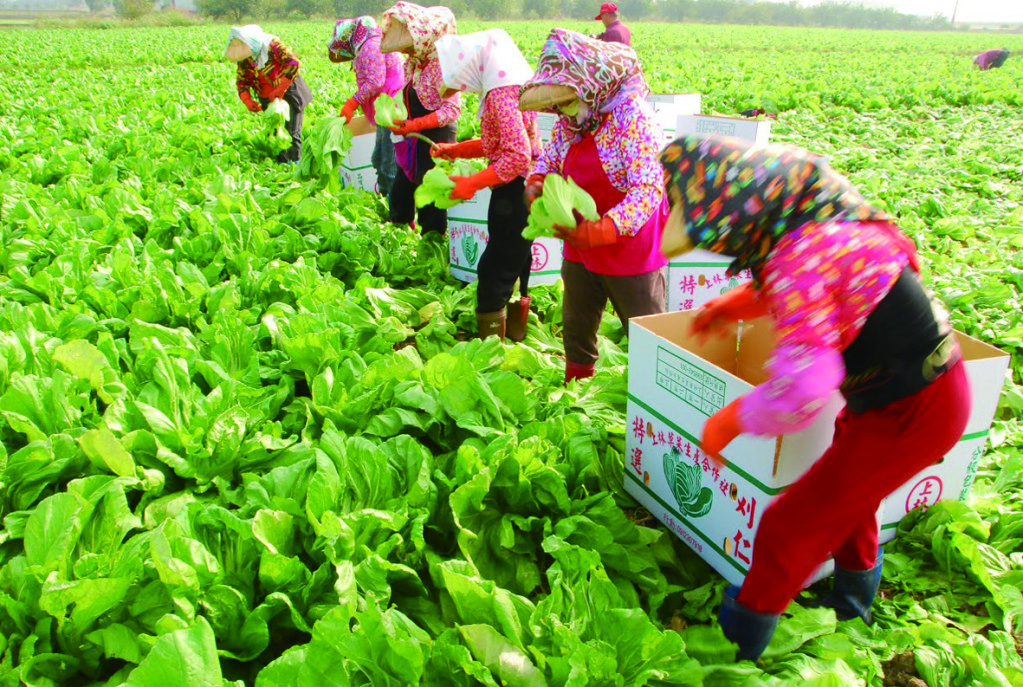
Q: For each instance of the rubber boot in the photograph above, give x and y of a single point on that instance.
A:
(854, 591)
(577, 371)
(518, 316)
(490, 323)
(752, 631)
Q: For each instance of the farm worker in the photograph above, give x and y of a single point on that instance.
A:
(614, 30)
(489, 63)
(270, 68)
(842, 286)
(413, 30)
(607, 141)
(358, 40)
(991, 59)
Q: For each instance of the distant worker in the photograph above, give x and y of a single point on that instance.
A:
(358, 40)
(991, 59)
(270, 68)
(616, 31)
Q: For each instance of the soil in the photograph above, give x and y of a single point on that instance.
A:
(901, 672)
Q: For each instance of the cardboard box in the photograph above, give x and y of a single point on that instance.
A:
(954, 475)
(756, 130)
(357, 165)
(675, 384)
(468, 237)
(698, 276)
(668, 108)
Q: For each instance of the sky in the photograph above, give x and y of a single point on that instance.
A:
(970, 11)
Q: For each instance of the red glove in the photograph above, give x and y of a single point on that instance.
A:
(534, 187)
(719, 431)
(454, 151)
(466, 187)
(349, 109)
(741, 303)
(588, 234)
(246, 98)
(412, 126)
(281, 89)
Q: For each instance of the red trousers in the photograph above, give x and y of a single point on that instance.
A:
(831, 510)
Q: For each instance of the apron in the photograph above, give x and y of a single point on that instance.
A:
(413, 155)
(637, 254)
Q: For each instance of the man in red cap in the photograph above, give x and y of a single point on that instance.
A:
(616, 32)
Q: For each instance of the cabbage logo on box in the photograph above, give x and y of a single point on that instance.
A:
(684, 480)
(470, 248)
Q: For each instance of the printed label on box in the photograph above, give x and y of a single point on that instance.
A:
(692, 284)
(698, 388)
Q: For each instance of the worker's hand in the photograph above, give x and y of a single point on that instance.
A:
(453, 151)
(445, 151)
(246, 98)
(534, 188)
(589, 234)
(467, 187)
(405, 127)
(741, 303)
(719, 431)
(349, 109)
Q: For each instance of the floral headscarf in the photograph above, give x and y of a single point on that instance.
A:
(350, 34)
(480, 62)
(602, 74)
(257, 40)
(740, 200)
(426, 25)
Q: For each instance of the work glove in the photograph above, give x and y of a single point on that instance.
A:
(454, 151)
(719, 431)
(246, 98)
(349, 109)
(588, 233)
(466, 187)
(534, 188)
(412, 126)
(741, 303)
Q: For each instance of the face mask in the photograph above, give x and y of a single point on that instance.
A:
(570, 109)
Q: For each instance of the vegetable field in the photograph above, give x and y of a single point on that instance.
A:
(247, 436)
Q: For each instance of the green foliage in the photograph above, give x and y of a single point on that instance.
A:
(247, 438)
(561, 199)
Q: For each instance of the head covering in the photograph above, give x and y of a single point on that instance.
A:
(740, 200)
(480, 62)
(350, 34)
(256, 39)
(602, 74)
(426, 25)
(607, 7)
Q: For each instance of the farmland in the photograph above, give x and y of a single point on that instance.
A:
(248, 438)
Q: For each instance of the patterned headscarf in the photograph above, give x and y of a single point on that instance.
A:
(350, 34)
(740, 200)
(257, 40)
(602, 74)
(480, 62)
(426, 25)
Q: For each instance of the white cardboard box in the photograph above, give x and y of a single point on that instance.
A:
(357, 165)
(953, 476)
(698, 276)
(756, 130)
(675, 384)
(468, 236)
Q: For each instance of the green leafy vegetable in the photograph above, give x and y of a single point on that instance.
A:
(389, 110)
(275, 116)
(555, 207)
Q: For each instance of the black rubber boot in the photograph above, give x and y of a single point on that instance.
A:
(752, 631)
(854, 591)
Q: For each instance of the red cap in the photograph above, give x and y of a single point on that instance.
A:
(607, 7)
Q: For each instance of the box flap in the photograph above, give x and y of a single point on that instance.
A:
(674, 328)
(361, 125)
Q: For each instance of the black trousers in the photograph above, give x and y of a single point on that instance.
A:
(297, 97)
(507, 256)
(403, 206)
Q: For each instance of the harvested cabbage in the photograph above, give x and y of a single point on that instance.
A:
(554, 208)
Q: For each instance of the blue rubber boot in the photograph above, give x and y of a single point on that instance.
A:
(854, 591)
(752, 631)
